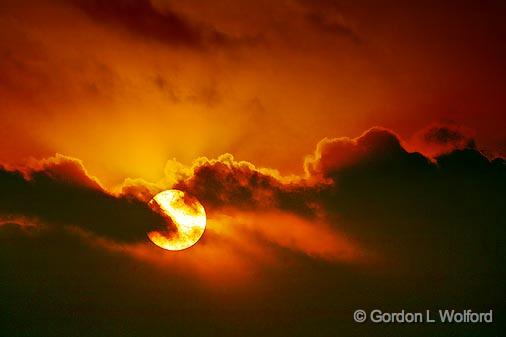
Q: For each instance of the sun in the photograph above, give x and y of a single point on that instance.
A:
(186, 213)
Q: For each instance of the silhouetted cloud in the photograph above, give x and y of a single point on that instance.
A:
(398, 203)
(225, 182)
(446, 134)
(57, 191)
(367, 217)
(437, 139)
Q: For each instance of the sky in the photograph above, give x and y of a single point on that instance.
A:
(349, 155)
(149, 81)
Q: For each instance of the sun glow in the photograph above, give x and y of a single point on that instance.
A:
(187, 215)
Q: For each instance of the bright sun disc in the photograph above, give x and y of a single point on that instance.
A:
(185, 212)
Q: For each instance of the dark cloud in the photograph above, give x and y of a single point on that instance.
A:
(345, 168)
(229, 183)
(54, 283)
(402, 204)
(333, 155)
(446, 135)
(141, 18)
(59, 192)
(436, 227)
(443, 138)
(226, 182)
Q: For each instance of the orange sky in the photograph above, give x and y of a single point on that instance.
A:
(262, 80)
(347, 154)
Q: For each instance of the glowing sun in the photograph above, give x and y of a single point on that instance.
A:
(186, 213)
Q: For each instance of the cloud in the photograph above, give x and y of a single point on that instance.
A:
(397, 203)
(225, 182)
(142, 18)
(376, 159)
(367, 216)
(437, 139)
(335, 154)
(58, 191)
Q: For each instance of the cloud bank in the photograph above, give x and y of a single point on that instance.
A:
(366, 217)
(58, 191)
